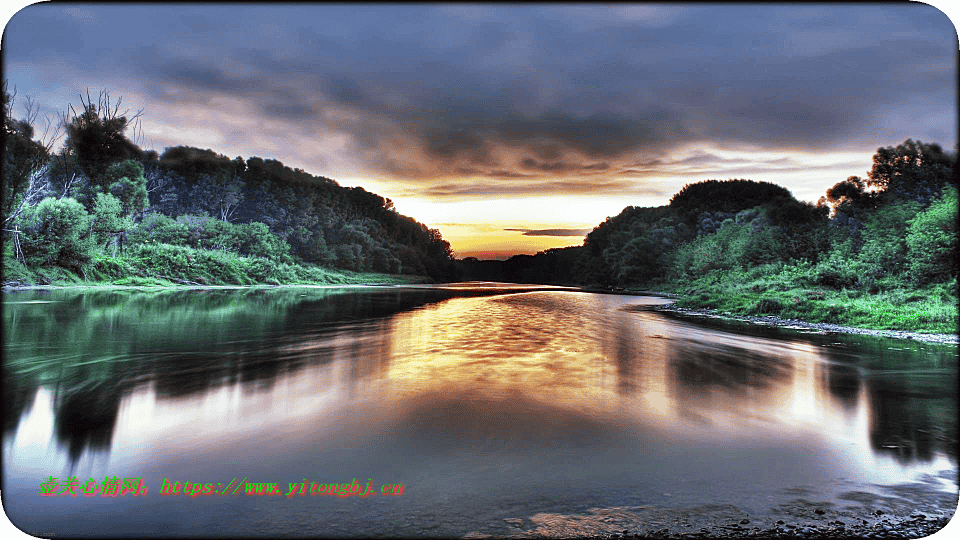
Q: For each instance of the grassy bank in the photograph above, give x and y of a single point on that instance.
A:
(796, 292)
(167, 265)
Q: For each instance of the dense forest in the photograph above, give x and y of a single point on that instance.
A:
(879, 251)
(102, 208)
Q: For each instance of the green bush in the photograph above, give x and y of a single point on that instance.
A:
(884, 248)
(836, 274)
(204, 232)
(165, 259)
(932, 240)
(108, 219)
(56, 233)
(14, 270)
(107, 268)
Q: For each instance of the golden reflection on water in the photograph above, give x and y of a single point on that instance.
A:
(585, 352)
(541, 344)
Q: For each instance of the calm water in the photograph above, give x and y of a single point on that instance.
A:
(498, 410)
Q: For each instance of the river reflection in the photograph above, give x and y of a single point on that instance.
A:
(485, 403)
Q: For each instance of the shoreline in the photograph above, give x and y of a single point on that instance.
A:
(780, 322)
(813, 521)
(805, 325)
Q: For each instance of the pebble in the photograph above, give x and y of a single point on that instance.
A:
(913, 527)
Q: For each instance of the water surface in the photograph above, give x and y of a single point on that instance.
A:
(493, 407)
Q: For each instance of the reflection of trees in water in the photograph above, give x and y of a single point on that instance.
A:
(85, 417)
(311, 333)
(843, 382)
(911, 389)
(910, 424)
(189, 362)
(708, 377)
(18, 395)
(844, 379)
(699, 366)
(180, 375)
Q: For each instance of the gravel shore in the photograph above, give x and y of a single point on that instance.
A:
(917, 527)
(718, 521)
(819, 327)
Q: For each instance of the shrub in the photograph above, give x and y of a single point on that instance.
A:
(204, 232)
(56, 233)
(768, 306)
(835, 273)
(160, 229)
(932, 240)
(885, 249)
(107, 218)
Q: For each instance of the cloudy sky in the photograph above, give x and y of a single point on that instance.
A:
(511, 128)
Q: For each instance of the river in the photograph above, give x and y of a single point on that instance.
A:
(500, 410)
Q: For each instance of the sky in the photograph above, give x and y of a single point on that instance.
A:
(511, 128)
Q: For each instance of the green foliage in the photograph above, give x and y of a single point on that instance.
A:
(110, 268)
(277, 211)
(125, 181)
(108, 219)
(56, 232)
(14, 270)
(204, 232)
(836, 273)
(734, 246)
(214, 267)
(932, 240)
(161, 229)
(884, 249)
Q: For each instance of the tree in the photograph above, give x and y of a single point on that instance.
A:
(96, 136)
(724, 196)
(126, 182)
(219, 195)
(851, 195)
(25, 159)
(913, 171)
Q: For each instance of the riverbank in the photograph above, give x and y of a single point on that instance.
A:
(819, 327)
(790, 298)
(681, 301)
(215, 270)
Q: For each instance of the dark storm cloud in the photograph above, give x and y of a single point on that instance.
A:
(705, 164)
(529, 96)
(538, 186)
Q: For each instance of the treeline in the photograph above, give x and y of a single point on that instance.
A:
(894, 230)
(102, 197)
